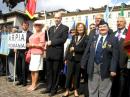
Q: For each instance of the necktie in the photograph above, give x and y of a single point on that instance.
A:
(119, 34)
(55, 28)
(98, 58)
(97, 31)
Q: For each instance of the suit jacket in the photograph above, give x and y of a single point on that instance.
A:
(57, 37)
(79, 48)
(123, 58)
(109, 55)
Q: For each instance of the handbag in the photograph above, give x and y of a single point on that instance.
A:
(28, 56)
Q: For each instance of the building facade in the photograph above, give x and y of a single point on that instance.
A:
(69, 18)
(88, 16)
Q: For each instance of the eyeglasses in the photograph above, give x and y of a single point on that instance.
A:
(37, 24)
(102, 26)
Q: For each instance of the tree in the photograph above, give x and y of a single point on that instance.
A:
(12, 3)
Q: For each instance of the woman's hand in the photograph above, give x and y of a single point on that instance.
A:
(30, 45)
(71, 49)
(65, 62)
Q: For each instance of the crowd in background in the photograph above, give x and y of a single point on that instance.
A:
(65, 59)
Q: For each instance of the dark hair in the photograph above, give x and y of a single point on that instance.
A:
(25, 22)
(71, 30)
(17, 27)
(102, 22)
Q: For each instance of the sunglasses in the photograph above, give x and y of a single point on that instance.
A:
(37, 24)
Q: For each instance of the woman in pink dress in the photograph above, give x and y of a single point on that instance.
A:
(36, 46)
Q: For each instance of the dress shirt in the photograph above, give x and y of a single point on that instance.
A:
(104, 37)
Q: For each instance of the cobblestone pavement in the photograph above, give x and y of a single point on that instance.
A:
(7, 89)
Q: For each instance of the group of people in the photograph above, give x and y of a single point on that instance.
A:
(98, 58)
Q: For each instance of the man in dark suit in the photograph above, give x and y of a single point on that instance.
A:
(57, 36)
(120, 88)
(101, 58)
(22, 66)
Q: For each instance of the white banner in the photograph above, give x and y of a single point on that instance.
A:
(4, 50)
(17, 40)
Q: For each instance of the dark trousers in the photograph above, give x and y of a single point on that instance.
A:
(120, 86)
(128, 82)
(73, 73)
(22, 68)
(2, 64)
(53, 71)
(123, 86)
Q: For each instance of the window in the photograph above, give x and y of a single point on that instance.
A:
(79, 18)
(119, 14)
(93, 16)
(50, 22)
(86, 17)
(66, 19)
(72, 18)
(128, 14)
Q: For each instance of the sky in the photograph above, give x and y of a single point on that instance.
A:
(70, 5)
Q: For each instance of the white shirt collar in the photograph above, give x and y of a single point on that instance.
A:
(122, 30)
(104, 37)
(24, 31)
(122, 35)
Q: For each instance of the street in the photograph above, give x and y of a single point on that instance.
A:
(7, 89)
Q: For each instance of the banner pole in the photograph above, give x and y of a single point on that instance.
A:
(15, 67)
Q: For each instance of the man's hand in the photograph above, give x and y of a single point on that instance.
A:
(15, 50)
(113, 74)
(49, 43)
(71, 49)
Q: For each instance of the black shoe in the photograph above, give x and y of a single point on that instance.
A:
(72, 88)
(19, 83)
(53, 93)
(24, 84)
(45, 91)
(10, 79)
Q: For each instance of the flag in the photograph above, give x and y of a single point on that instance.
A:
(122, 10)
(73, 25)
(106, 14)
(25, 2)
(86, 23)
(30, 8)
(127, 42)
(0, 40)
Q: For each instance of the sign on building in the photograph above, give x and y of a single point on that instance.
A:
(17, 41)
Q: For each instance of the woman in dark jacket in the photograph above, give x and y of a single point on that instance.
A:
(73, 57)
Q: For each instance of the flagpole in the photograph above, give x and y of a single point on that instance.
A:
(46, 24)
(15, 67)
(112, 8)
